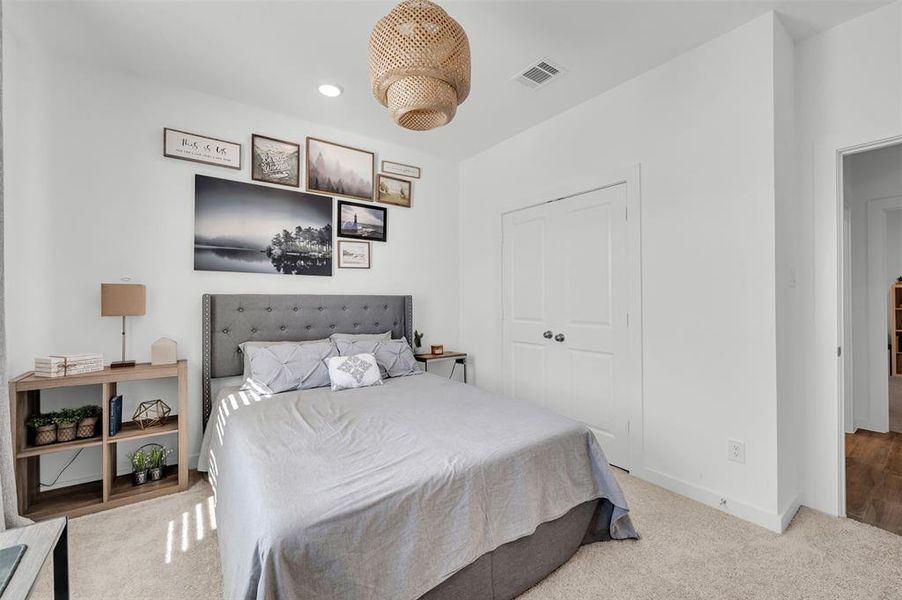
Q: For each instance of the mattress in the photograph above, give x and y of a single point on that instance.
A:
(389, 491)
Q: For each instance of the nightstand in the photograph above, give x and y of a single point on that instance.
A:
(459, 358)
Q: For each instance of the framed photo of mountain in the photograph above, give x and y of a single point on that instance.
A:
(362, 222)
(275, 161)
(339, 170)
(260, 229)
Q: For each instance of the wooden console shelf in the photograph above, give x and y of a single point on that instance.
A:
(111, 490)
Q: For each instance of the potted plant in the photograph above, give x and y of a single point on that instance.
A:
(139, 467)
(44, 429)
(156, 459)
(417, 341)
(66, 421)
(88, 416)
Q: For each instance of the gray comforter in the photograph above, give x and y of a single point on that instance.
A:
(384, 492)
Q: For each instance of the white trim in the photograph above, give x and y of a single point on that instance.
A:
(769, 520)
(847, 371)
(787, 515)
(631, 177)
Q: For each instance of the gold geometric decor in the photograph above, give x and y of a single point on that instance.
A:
(152, 413)
(419, 64)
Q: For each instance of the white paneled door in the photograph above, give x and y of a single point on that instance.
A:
(565, 311)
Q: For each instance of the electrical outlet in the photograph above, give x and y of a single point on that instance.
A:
(736, 451)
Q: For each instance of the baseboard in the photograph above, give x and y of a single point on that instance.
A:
(768, 520)
(787, 515)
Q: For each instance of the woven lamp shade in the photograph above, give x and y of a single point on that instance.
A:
(420, 64)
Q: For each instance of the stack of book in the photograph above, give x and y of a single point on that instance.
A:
(58, 365)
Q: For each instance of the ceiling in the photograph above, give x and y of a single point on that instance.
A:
(275, 54)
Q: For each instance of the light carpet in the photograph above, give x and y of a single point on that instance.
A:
(167, 549)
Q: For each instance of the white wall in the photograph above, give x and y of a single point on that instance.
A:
(90, 199)
(702, 127)
(789, 308)
(848, 91)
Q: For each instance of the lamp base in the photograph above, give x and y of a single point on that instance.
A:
(122, 363)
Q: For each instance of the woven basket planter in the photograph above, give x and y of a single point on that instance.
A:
(65, 433)
(419, 64)
(46, 434)
(86, 427)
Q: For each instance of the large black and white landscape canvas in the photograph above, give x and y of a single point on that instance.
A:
(339, 170)
(259, 229)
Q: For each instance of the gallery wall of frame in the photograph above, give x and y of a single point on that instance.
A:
(252, 228)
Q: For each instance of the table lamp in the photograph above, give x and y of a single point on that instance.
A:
(122, 300)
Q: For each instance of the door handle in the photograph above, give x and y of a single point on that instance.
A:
(559, 337)
(547, 335)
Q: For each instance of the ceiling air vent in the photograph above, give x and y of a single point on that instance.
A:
(539, 74)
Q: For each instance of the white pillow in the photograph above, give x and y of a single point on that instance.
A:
(349, 372)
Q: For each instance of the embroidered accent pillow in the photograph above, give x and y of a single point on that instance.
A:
(349, 372)
(283, 367)
(394, 357)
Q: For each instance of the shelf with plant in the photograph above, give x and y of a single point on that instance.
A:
(63, 430)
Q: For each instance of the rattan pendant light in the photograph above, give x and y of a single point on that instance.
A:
(419, 64)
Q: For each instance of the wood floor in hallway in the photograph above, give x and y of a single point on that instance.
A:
(874, 479)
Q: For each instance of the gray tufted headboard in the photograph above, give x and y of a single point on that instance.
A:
(230, 319)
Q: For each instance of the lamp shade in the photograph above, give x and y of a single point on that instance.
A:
(121, 299)
(419, 64)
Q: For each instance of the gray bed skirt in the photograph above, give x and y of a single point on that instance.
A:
(513, 568)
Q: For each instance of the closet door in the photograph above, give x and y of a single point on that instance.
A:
(565, 330)
(527, 328)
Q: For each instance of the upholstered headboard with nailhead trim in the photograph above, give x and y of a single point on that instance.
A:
(231, 319)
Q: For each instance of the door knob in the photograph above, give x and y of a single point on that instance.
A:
(547, 335)
(559, 337)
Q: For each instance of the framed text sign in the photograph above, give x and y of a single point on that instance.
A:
(399, 169)
(201, 149)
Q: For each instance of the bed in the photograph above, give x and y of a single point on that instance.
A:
(420, 488)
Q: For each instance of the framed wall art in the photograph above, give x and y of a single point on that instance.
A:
(339, 170)
(362, 222)
(394, 168)
(201, 149)
(275, 161)
(260, 229)
(353, 255)
(394, 191)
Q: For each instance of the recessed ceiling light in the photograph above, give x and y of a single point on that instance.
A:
(327, 89)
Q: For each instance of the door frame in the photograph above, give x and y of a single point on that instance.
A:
(828, 291)
(576, 186)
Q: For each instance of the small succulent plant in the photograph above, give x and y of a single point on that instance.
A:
(139, 461)
(40, 420)
(67, 416)
(157, 456)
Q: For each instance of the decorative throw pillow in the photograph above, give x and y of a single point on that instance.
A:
(394, 357)
(360, 336)
(282, 367)
(245, 346)
(349, 372)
